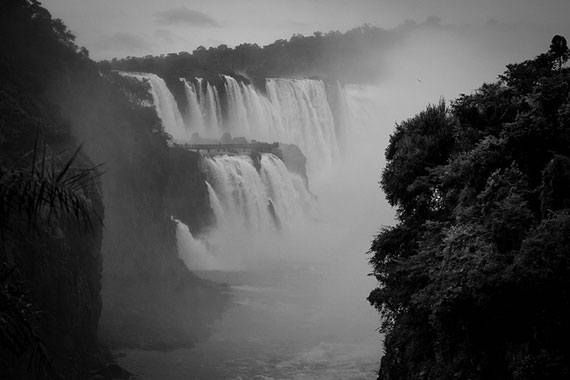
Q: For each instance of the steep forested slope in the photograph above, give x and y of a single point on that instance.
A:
(475, 277)
(50, 256)
(53, 97)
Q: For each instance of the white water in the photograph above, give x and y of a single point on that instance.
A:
(210, 107)
(194, 114)
(312, 321)
(295, 264)
(248, 196)
(304, 117)
(194, 252)
(299, 289)
(252, 209)
(165, 105)
(268, 214)
(292, 111)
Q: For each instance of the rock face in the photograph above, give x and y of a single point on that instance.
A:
(187, 195)
(294, 160)
(150, 299)
(159, 311)
(52, 97)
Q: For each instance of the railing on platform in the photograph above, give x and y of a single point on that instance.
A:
(232, 148)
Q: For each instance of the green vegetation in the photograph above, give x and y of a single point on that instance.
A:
(475, 277)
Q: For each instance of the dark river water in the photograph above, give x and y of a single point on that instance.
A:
(294, 321)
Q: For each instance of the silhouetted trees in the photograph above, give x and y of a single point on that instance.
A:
(475, 277)
(351, 56)
(51, 96)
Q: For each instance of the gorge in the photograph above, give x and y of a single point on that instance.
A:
(185, 239)
(208, 214)
(269, 238)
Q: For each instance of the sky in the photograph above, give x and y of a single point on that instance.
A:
(119, 28)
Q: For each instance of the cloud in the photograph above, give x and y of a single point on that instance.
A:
(433, 20)
(123, 42)
(183, 15)
(296, 24)
(164, 36)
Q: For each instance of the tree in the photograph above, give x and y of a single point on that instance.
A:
(48, 192)
(559, 50)
(473, 278)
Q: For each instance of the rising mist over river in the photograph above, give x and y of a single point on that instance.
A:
(299, 308)
(184, 211)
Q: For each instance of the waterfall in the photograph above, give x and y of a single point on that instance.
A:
(216, 205)
(193, 251)
(211, 107)
(338, 99)
(306, 112)
(165, 105)
(261, 201)
(257, 203)
(194, 118)
(237, 120)
(303, 117)
(293, 111)
(203, 108)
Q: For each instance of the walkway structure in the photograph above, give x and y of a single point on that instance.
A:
(220, 149)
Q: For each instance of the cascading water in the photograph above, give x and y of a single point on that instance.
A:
(266, 200)
(343, 119)
(165, 104)
(210, 105)
(293, 111)
(193, 251)
(309, 113)
(252, 203)
(241, 192)
(303, 116)
(194, 115)
(296, 275)
(237, 120)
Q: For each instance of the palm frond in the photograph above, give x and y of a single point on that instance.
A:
(41, 195)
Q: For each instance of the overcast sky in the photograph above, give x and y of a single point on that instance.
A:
(117, 28)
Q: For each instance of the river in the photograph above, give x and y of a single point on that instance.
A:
(284, 324)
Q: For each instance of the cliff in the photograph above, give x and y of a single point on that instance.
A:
(66, 272)
(294, 160)
(187, 195)
(150, 299)
(50, 257)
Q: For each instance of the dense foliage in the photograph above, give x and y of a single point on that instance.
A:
(52, 96)
(351, 56)
(50, 206)
(474, 280)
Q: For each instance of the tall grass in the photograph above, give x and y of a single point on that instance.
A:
(48, 190)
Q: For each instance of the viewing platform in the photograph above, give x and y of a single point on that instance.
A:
(229, 149)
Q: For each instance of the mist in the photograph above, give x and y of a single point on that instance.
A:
(234, 189)
(300, 290)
